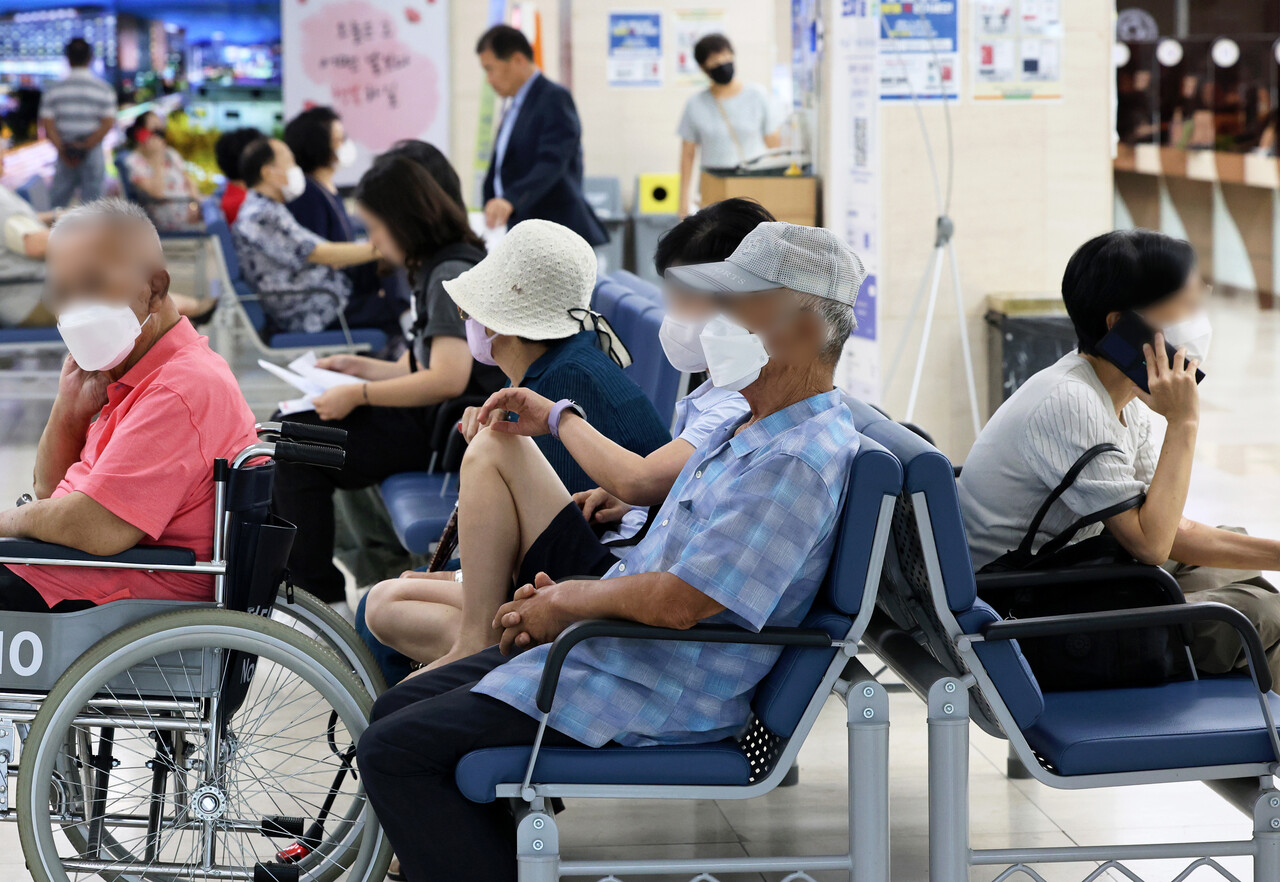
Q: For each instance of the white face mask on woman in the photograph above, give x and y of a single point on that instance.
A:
(99, 335)
(679, 339)
(1195, 333)
(347, 154)
(734, 355)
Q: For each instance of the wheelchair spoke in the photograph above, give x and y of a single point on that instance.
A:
(156, 782)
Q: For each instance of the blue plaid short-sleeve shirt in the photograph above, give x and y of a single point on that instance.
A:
(751, 523)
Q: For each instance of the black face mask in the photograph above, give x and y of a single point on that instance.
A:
(721, 74)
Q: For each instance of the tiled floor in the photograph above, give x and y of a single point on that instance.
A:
(1237, 481)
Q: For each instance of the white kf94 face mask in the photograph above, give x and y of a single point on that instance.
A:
(347, 154)
(680, 341)
(99, 335)
(734, 354)
(1195, 333)
(295, 185)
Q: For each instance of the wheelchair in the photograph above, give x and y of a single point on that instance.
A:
(173, 740)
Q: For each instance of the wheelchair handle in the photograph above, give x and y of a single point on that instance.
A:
(291, 431)
(309, 454)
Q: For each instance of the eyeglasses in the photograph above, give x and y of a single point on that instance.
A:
(462, 314)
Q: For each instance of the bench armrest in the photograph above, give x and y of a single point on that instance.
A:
(1073, 577)
(1146, 617)
(139, 557)
(586, 630)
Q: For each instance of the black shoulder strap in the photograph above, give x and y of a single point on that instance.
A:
(1065, 484)
(453, 251)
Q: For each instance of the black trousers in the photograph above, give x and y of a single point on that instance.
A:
(381, 441)
(421, 728)
(18, 595)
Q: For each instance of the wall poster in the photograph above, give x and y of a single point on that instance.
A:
(920, 50)
(1017, 50)
(382, 65)
(854, 190)
(635, 49)
(688, 26)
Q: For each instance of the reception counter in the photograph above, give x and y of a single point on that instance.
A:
(1226, 204)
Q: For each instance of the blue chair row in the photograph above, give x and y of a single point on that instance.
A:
(246, 315)
(635, 312)
(817, 661)
(953, 650)
(420, 503)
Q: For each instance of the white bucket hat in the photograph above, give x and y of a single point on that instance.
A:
(532, 284)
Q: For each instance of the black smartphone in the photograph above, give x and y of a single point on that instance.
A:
(1122, 346)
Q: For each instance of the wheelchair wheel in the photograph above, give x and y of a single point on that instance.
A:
(312, 616)
(200, 744)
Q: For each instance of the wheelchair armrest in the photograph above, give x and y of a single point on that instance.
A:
(580, 631)
(138, 557)
(1145, 617)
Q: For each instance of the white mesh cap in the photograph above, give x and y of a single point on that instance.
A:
(780, 255)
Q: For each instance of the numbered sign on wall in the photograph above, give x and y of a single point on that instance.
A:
(383, 65)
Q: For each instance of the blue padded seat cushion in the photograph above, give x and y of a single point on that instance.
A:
(643, 287)
(376, 339)
(1173, 726)
(418, 510)
(1007, 666)
(721, 764)
(29, 335)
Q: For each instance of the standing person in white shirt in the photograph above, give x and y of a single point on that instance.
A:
(730, 122)
(77, 113)
(1063, 413)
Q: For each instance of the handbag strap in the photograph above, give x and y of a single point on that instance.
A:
(728, 124)
(1024, 548)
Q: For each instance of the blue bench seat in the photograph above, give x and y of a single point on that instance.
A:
(420, 504)
(720, 764)
(21, 336)
(1189, 724)
(376, 339)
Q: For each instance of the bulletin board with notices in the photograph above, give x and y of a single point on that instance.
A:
(1017, 50)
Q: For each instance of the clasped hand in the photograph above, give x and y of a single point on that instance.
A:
(532, 617)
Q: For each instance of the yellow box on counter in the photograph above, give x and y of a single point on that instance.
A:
(659, 192)
(790, 198)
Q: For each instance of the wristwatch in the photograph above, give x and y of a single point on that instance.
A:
(557, 410)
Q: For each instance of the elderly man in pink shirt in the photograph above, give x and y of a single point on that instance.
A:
(144, 408)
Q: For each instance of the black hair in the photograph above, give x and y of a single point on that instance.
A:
(1120, 271)
(256, 156)
(227, 150)
(711, 235)
(78, 51)
(310, 137)
(421, 216)
(504, 41)
(131, 133)
(434, 162)
(710, 45)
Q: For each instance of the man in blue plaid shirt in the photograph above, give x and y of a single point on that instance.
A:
(744, 538)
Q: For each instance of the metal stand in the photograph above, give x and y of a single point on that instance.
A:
(943, 248)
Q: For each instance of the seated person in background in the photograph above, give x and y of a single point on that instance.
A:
(1084, 400)
(515, 517)
(159, 174)
(25, 234)
(744, 538)
(390, 417)
(227, 152)
(144, 408)
(295, 272)
(320, 146)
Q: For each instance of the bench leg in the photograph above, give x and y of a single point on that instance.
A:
(1266, 834)
(948, 781)
(868, 708)
(537, 843)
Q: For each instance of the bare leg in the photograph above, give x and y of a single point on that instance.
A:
(416, 616)
(509, 495)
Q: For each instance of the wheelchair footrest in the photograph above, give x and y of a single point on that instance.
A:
(283, 827)
(275, 873)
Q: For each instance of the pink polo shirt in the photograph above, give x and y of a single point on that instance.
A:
(148, 459)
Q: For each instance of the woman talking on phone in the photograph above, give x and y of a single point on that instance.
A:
(1088, 417)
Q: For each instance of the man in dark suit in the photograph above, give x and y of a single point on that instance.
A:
(536, 168)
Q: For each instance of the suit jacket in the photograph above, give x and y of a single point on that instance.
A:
(542, 168)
